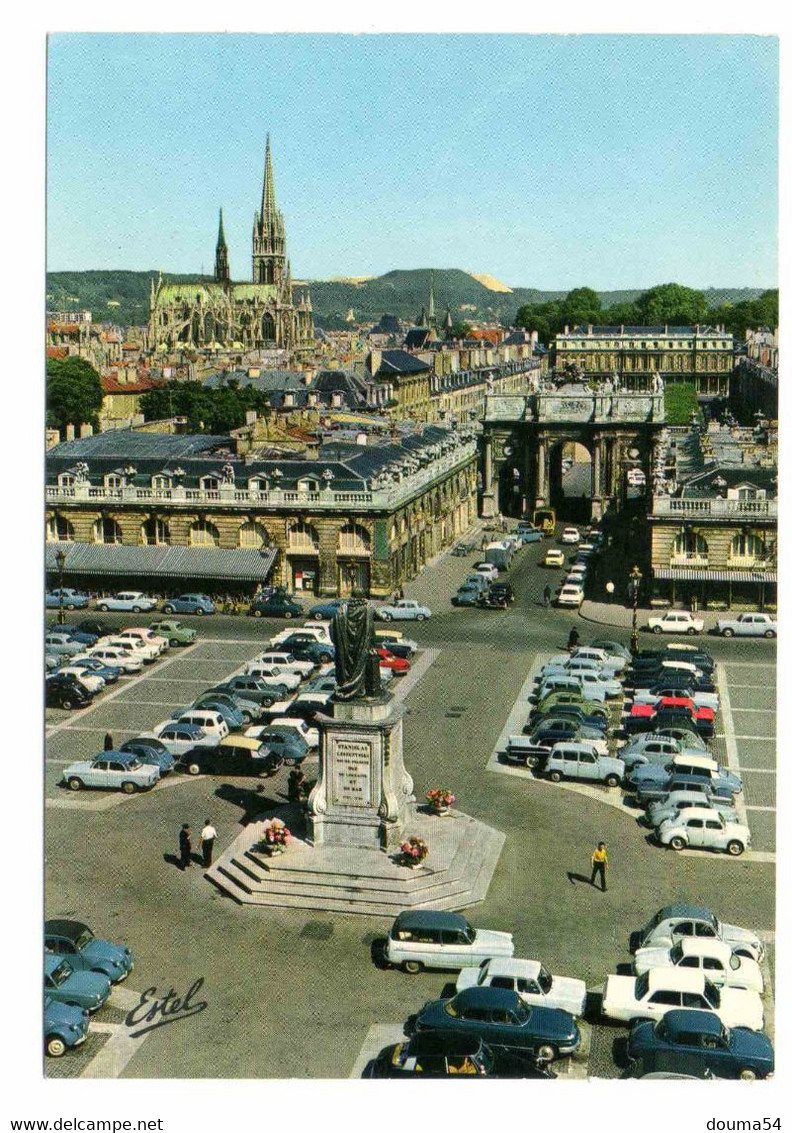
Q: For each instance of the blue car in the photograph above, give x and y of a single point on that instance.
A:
(153, 752)
(76, 634)
(324, 611)
(108, 673)
(88, 990)
(64, 1027)
(695, 1042)
(86, 952)
(72, 599)
(189, 604)
(230, 712)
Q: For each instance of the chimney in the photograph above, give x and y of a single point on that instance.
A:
(288, 400)
(250, 416)
(70, 432)
(86, 430)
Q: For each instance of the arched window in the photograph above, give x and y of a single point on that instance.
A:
(65, 480)
(112, 480)
(210, 483)
(204, 534)
(690, 545)
(252, 535)
(303, 537)
(59, 530)
(747, 547)
(155, 532)
(353, 540)
(307, 484)
(257, 485)
(107, 530)
(161, 483)
(267, 327)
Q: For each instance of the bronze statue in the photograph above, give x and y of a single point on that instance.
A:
(356, 661)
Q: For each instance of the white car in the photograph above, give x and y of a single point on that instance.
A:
(272, 674)
(178, 740)
(287, 662)
(659, 990)
(676, 621)
(486, 570)
(720, 965)
(294, 723)
(570, 535)
(702, 829)
(123, 659)
(318, 630)
(407, 610)
(570, 595)
(92, 681)
(133, 600)
(147, 651)
(575, 577)
(530, 979)
(607, 660)
(147, 636)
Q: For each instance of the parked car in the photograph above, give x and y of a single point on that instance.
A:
(698, 1042)
(644, 717)
(711, 793)
(708, 955)
(92, 681)
(180, 738)
(71, 600)
(592, 690)
(488, 571)
(570, 595)
(74, 633)
(673, 922)
(65, 692)
(273, 675)
(577, 712)
(62, 645)
(223, 705)
(405, 610)
(199, 604)
(250, 710)
(528, 533)
(64, 1027)
(234, 755)
(614, 662)
(570, 535)
(501, 1019)
(701, 828)
(87, 990)
(747, 625)
(148, 749)
(503, 588)
(659, 990)
(605, 688)
(286, 661)
(111, 770)
(306, 706)
(649, 777)
(424, 938)
(86, 952)
(531, 980)
(586, 661)
(655, 750)
(127, 600)
(479, 581)
(579, 761)
(397, 665)
(396, 643)
(556, 729)
(567, 699)
(467, 595)
(209, 720)
(285, 741)
(96, 628)
(433, 1056)
(553, 557)
(176, 633)
(612, 648)
(253, 688)
(661, 690)
(148, 636)
(305, 647)
(276, 606)
(697, 795)
(325, 611)
(147, 651)
(108, 673)
(123, 659)
(305, 731)
(676, 621)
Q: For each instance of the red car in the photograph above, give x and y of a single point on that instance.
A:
(398, 665)
(687, 703)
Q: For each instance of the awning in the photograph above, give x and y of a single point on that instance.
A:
(243, 564)
(683, 574)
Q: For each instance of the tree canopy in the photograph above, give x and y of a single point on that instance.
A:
(207, 410)
(74, 393)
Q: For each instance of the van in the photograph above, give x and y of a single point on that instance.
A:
(212, 723)
(499, 554)
(428, 939)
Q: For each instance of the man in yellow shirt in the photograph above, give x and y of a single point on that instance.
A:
(599, 863)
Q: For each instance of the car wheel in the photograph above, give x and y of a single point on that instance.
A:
(555, 776)
(173, 641)
(747, 1075)
(532, 761)
(200, 611)
(267, 701)
(137, 609)
(166, 609)
(735, 848)
(319, 617)
(75, 784)
(386, 617)
(193, 769)
(412, 967)
(677, 843)
(324, 658)
(55, 1046)
(690, 631)
(287, 615)
(612, 780)
(247, 718)
(129, 787)
(420, 617)
(727, 632)
(256, 613)
(546, 1052)
(66, 703)
(103, 608)
(70, 606)
(770, 633)
(657, 629)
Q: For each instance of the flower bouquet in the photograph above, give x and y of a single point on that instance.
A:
(276, 837)
(413, 851)
(440, 800)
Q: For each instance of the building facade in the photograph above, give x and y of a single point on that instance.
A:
(169, 512)
(702, 355)
(268, 313)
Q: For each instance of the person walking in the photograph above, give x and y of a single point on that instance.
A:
(548, 594)
(573, 640)
(599, 864)
(108, 741)
(206, 843)
(185, 847)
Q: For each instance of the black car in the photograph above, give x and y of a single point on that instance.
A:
(430, 1055)
(98, 628)
(697, 657)
(305, 647)
(275, 606)
(569, 711)
(650, 675)
(490, 601)
(62, 691)
(252, 688)
(504, 588)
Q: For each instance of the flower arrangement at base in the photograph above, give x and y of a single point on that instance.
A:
(440, 799)
(413, 851)
(276, 837)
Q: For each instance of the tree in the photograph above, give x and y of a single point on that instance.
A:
(681, 403)
(672, 304)
(74, 393)
(460, 330)
(581, 306)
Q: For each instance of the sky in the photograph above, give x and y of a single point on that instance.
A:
(547, 161)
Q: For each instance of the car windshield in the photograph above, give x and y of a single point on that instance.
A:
(85, 938)
(712, 995)
(642, 986)
(483, 972)
(61, 973)
(676, 953)
(545, 980)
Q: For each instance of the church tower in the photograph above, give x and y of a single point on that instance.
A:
(269, 236)
(222, 272)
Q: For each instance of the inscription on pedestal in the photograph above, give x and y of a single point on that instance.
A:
(352, 773)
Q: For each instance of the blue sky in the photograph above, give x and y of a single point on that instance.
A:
(547, 161)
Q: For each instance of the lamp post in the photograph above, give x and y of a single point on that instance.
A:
(60, 562)
(635, 583)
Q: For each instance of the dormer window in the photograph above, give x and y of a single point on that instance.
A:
(257, 485)
(66, 480)
(210, 483)
(307, 484)
(161, 483)
(113, 481)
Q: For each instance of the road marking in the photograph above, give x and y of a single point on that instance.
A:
(767, 711)
(750, 686)
(732, 755)
(742, 736)
(766, 808)
(517, 717)
(745, 665)
(377, 1037)
(759, 770)
(92, 728)
(149, 703)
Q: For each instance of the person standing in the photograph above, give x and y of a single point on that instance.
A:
(206, 843)
(599, 864)
(548, 594)
(573, 640)
(108, 741)
(185, 847)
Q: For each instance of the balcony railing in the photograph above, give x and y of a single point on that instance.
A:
(689, 560)
(679, 507)
(750, 562)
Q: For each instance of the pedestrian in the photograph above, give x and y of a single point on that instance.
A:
(185, 847)
(206, 843)
(108, 741)
(599, 863)
(401, 593)
(610, 590)
(548, 594)
(573, 639)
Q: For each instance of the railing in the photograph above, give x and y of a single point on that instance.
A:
(750, 562)
(714, 509)
(684, 560)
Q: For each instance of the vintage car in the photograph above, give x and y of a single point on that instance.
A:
(199, 604)
(85, 989)
(676, 621)
(424, 938)
(534, 984)
(86, 952)
(65, 598)
(698, 1042)
(674, 922)
(64, 1027)
(176, 633)
(127, 601)
(709, 955)
(704, 829)
(404, 610)
(747, 625)
(112, 770)
(658, 990)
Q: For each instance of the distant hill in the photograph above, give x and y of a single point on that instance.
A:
(123, 296)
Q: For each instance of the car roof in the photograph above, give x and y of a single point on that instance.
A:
(676, 979)
(507, 966)
(116, 756)
(429, 918)
(51, 962)
(698, 1022)
(247, 743)
(72, 929)
(704, 946)
(499, 998)
(439, 1042)
(695, 912)
(696, 812)
(681, 760)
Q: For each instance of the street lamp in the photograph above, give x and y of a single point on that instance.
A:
(635, 583)
(60, 562)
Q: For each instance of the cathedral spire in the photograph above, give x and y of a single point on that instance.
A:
(269, 235)
(268, 207)
(222, 271)
(431, 312)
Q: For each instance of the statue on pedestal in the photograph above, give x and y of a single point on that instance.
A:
(356, 660)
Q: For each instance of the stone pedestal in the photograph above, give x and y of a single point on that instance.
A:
(363, 792)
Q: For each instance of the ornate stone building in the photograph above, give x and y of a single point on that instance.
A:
(170, 512)
(266, 314)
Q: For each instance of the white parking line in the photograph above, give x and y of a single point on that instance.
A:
(732, 756)
(743, 736)
(771, 809)
(746, 665)
(91, 728)
(766, 711)
(759, 770)
(517, 717)
(750, 686)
